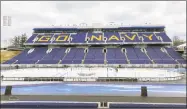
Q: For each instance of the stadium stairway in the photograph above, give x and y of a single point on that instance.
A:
(66, 53)
(69, 38)
(49, 50)
(104, 38)
(53, 38)
(125, 52)
(36, 38)
(158, 37)
(15, 62)
(59, 61)
(161, 39)
(87, 38)
(105, 52)
(85, 54)
(37, 62)
(140, 37)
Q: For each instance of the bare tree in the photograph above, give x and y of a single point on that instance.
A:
(23, 39)
(18, 41)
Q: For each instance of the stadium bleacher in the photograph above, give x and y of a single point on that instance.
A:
(80, 37)
(96, 56)
(78, 54)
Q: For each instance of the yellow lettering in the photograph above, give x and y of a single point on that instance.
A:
(113, 37)
(149, 37)
(131, 38)
(65, 38)
(44, 38)
(97, 38)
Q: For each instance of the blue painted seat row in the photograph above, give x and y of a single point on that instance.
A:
(110, 37)
(96, 55)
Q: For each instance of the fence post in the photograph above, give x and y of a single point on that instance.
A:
(143, 91)
(8, 90)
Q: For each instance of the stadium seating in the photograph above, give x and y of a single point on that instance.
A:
(95, 37)
(152, 54)
(80, 37)
(131, 53)
(42, 39)
(136, 56)
(60, 54)
(149, 37)
(14, 59)
(173, 53)
(61, 38)
(160, 57)
(75, 56)
(164, 37)
(30, 40)
(115, 56)
(161, 54)
(94, 56)
(182, 61)
(33, 57)
(53, 57)
(131, 37)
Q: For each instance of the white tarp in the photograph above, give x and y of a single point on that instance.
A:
(183, 45)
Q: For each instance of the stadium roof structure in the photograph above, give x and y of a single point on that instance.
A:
(104, 27)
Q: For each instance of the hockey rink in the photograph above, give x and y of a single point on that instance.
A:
(121, 89)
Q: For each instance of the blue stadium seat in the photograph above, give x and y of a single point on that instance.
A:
(160, 53)
(173, 53)
(78, 38)
(95, 37)
(149, 37)
(30, 40)
(152, 54)
(45, 38)
(131, 37)
(75, 56)
(94, 56)
(164, 36)
(112, 37)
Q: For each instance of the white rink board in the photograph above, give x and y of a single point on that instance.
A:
(88, 72)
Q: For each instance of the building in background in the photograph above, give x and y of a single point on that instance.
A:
(183, 49)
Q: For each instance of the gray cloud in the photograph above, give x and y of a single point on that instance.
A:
(28, 15)
(146, 7)
(73, 7)
(175, 8)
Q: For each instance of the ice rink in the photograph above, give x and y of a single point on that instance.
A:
(90, 72)
(122, 89)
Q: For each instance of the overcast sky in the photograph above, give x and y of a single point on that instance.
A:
(27, 15)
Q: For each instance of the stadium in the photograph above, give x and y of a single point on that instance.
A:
(68, 60)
